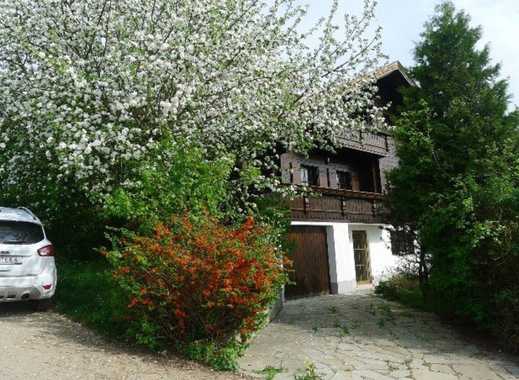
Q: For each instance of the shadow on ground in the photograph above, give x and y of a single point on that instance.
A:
(9, 309)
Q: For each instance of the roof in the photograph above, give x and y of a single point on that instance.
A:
(18, 215)
(391, 68)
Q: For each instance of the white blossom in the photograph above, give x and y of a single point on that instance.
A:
(90, 86)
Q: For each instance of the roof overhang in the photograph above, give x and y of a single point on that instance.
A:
(395, 68)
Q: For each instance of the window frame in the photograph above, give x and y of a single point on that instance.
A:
(338, 178)
(308, 180)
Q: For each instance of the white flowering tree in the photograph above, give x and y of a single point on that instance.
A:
(88, 88)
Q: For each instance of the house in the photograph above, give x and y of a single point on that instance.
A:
(340, 237)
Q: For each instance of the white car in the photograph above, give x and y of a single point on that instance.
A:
(27, 266)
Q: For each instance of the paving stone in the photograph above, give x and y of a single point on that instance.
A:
(372, 364)
(442, 368)
(412, 345)
(347, 347)
(342, 375)
(511, 369)
(369, 375)
(416, 363)
(476, 371)
(448, 359)
(429, 375)
(401, 374)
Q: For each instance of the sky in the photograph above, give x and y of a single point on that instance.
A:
(402, 22)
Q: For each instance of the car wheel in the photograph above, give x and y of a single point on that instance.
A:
(42, 305)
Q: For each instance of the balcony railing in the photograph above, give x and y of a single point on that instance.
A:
(366, 141)
(340, 205)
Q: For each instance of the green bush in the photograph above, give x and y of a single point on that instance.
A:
(403, 288)
(202, 281)
(176, 178)
(165, 294)
(220, 357)
(88, 293)
(506, 323)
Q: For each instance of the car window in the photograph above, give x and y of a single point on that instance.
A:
(20, 232)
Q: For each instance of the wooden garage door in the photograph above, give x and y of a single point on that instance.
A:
(310, 262)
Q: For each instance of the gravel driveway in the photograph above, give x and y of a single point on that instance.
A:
(361, 336)
(49, 346)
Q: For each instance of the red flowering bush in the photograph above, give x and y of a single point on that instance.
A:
(198, 281)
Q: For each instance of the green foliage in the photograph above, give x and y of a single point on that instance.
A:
(404, 289)
(457, 183)
(218, 356)
(270, 372)
(274, 211)
(343, 328)
(309, 373)
(88, 293)
(226, 276)
(197, 286)
(175, 178)
(73, 223)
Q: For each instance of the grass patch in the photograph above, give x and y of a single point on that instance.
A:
(87, 293)
(270, 372)
(405, 290)
(343, 329)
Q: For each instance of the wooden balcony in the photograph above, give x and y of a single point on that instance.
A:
(339, 205)
(376, 143)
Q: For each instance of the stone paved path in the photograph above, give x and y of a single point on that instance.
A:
(361, 336)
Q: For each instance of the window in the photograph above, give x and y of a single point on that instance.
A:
(309, 175)
(20, 233)
(403, 241)
(344, 180)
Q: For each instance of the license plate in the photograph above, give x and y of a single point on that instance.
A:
(10, 260)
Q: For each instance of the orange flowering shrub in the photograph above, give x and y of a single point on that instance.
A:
(199, 281)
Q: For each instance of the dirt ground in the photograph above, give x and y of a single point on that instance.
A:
(36, 345)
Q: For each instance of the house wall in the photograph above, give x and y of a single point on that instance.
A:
(381, 257)
(388, 162)
(342, 163)
(341, 258)
(327, 172)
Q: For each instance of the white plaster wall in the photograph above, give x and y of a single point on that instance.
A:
(344, 265)
(382, 261)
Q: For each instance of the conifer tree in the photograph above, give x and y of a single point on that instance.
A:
(456, 186)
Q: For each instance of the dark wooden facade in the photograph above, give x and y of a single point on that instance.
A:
(346, 186)
(362, 202)
(376, 143)
(366, 157)
(340, 206)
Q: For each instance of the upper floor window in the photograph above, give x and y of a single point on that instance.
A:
(309, 175)
(344, 180)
